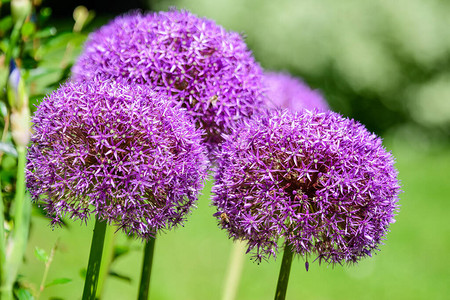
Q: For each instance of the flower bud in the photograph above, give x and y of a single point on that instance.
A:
(20, 10)
(20, 128)
(80, 15)
(17, 95)
(18, 101)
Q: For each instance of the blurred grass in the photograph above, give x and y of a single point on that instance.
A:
(190, 262)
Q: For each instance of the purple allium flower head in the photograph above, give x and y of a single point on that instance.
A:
(285, 91)
(194, 60)
(320, 181)
(121, 152)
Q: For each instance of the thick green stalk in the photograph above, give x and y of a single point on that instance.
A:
(146, 270)
(234, 271)
(3, 294)
(285, 270)
(95, 259)
(22, 213)
(107, 257)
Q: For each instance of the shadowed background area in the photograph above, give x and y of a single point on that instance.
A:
(383, 63)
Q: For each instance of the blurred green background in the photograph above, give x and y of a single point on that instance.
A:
(384, 63)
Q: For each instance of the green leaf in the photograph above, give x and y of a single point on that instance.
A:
(46, 32)
(83, 273)
(8, 148)
(3, 109)
(62, 39)
(9, 163)
(6, 24)
(40, 254)
(46, 12)
(28, 29)
(119, 276)
(23, 294)
(58, 281)
(120, 250)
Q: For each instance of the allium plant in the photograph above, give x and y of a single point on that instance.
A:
(123, 153)
(193, 60)
(320, 181)
(284, 91)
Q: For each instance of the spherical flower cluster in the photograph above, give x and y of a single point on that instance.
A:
(320, 181)
(195, 61)
(285, 91)
(123, 153)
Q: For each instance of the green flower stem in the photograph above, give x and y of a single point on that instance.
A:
(285, 270)
(146, 269)
(22, 214)
(107, 257)
(3, 291)
(95, 258)
(46, 269)
(234, 271)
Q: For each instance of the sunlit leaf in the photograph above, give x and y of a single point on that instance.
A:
(46, 32)
(119, 276)
(40, 254)
(120, 250)
(9, 163)
(28, 29)
(83, 273)
(58, 281)
(23, 294)
(5, 24)
(59, 42)
(8, 148)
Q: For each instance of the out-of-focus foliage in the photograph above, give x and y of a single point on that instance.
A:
(33, 53)
(34, 59)
(386, 63)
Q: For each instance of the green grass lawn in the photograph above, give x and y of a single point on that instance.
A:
(191, 261)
